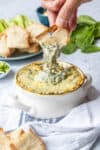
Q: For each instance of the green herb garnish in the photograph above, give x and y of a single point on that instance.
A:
(84, 37)
(3, 67)
(84, 19)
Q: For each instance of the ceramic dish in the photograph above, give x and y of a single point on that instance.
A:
(53, 106)
(20, 56)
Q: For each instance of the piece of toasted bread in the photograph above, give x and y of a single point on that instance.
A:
(26, 140)
(17, 37)
(60, 35)
(32, 49)
(5, 142)
(35, 29)
(20, 140)
(16, 134)
(4, 50)
(46, 33)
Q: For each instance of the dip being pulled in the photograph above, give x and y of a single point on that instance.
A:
(50, 77)
(52, 45)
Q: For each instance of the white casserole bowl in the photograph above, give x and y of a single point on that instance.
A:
(53, 106)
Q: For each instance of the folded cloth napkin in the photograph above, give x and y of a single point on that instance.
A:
(78, 130)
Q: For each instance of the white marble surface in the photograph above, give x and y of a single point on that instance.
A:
(89, 63)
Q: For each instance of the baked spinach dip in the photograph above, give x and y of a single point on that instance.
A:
(50, 76)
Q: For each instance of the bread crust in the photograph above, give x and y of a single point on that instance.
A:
(34, 30)
(4, 50)
(32, 49)
(21, 140)
(17, 37)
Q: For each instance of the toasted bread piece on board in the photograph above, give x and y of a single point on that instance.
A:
(17, 37)
(4, 50)
(4, 141)
(26, 140)
(32, 49)
(35, 29)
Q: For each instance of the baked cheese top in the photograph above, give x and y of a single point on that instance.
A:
(25, 78)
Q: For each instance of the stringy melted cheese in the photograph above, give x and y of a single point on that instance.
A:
(52, 72)
(50, 77)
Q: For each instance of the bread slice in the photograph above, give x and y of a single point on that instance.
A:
(35, 47)
(32, 49)
(5, 143)
(59, 35)
(26, 140)
(34, 30)
(4, 50)
(17, 37)
(46, 33)
(62, 36)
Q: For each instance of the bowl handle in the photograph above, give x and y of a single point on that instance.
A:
(88, 81)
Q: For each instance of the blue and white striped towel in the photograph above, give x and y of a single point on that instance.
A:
(78, 130)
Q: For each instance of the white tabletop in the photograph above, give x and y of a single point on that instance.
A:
(89, 63)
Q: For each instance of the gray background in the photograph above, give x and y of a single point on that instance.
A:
(10, 8)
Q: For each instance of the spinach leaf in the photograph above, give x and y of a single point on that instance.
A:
(84, 19)
(91, 49)
(70, 48)
(97, 30)
(85, 36)
(81, 38)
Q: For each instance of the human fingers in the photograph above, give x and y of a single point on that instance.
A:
(66, 12)
(53, 5)
(84, 1)
(52, 17)
(73, 21)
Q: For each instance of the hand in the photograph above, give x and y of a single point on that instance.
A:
(63, 13)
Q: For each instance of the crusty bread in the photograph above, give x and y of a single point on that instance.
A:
(28, 40)
(32, 49)
(5, 142)
(21, 140)
(34, 30)
(62, 36)
(26, 140)
(59, 34)
(45, 34)
(4, 50)
(17, 37)
(16, 134)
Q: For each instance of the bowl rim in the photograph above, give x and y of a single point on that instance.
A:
(65, 93)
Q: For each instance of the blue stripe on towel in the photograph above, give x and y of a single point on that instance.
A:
(28, 118)
(21, 118)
